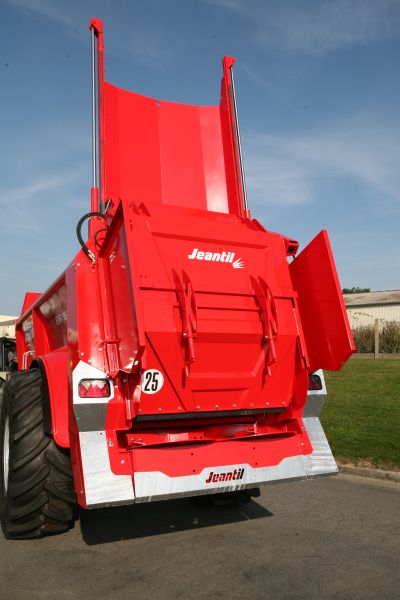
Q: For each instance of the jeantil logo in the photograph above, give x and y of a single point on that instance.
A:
(229, 476)
(224, 257)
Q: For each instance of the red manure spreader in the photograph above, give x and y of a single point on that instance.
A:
(177, 353)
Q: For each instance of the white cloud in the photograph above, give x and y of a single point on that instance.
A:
(146, 42)
(317, 26)
(149, 48)
(28, 191)
(255, 76)
(284, 169)
(17, 203)
(52, 11)
(273, 178)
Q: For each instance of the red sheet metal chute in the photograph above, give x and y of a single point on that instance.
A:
(323, 313)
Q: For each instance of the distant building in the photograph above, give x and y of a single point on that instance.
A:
(363, 309)
(7, 325)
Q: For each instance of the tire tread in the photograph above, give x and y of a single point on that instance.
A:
(40, 497)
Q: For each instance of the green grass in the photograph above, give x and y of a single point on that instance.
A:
(361, 416)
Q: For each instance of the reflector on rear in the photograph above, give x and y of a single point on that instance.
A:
(94, 388)
(314, 382)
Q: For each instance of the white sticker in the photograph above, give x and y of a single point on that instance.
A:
(152, 381)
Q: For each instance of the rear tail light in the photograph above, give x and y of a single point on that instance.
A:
(94, 388)
(314, 382)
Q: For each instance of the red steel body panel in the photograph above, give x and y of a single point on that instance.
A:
(162, 153)
(322, 310)
(186, 283)
(56, 368)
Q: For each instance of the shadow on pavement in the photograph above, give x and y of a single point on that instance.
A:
(105, 525)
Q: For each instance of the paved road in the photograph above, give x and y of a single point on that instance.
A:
(329, 538)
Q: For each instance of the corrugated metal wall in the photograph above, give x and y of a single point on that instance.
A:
(366, 315)
(7, 328)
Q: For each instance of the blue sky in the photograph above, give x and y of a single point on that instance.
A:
(318, 91)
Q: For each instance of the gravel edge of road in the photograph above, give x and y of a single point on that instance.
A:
(369, 472)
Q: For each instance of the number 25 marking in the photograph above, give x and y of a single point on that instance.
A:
(152, 381)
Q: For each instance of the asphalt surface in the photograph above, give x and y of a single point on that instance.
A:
(329, 538)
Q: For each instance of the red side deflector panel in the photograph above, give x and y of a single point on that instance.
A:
(323, 313)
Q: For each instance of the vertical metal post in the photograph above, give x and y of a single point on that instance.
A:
(377, 332)
(94, 111)
(243, 182)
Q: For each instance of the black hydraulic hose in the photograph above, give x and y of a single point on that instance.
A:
(81, 221)
(96, 241)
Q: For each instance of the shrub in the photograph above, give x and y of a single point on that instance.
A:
(364, 338)
(390, 337)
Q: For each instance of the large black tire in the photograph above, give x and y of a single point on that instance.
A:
(37, 493)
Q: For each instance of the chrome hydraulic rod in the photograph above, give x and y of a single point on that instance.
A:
(242, 177)
(94, 111)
